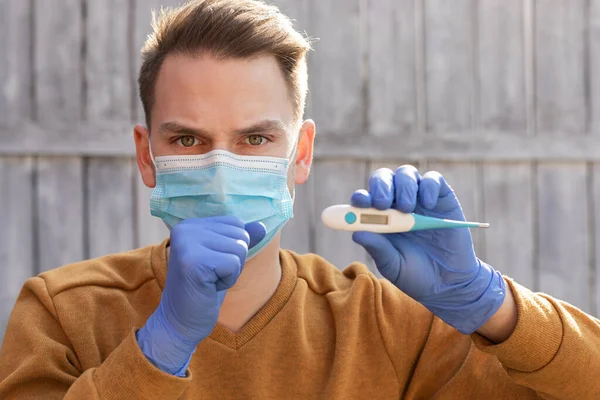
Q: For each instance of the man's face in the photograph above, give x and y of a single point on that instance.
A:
(242, 106)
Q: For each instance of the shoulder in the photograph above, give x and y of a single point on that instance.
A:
(126, 271)
(323, 277)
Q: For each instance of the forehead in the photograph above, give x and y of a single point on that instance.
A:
(221, 94)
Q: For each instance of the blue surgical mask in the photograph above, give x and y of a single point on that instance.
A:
(222, 183)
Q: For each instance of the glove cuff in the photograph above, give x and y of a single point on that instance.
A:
(163, 346)
(489, 290)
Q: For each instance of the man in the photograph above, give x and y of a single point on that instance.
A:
(219, 311)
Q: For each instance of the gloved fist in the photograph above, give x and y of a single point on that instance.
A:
(437, 267)
(207, 257)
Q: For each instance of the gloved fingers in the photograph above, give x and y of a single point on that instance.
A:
(386, 257)
(225, 220)
(227, 245)
(381, 188)
(228, 269)
(429, 189)
(361, 198)
(229, 231)
(257, 231)
(406, 183)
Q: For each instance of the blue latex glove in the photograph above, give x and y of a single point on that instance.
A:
(438, 267)
(207, 257)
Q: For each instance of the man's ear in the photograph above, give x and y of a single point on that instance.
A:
(141, 136)
(304, 153)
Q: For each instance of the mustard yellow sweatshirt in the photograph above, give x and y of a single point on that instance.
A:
(325, 334)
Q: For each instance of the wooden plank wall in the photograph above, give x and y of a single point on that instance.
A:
(425, 82)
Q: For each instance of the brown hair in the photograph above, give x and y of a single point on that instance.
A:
(225, 29)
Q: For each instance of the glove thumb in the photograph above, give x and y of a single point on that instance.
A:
(385, 255)
(257, 231)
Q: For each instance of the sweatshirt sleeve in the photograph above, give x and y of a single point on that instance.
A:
(555, 348)
(37, 360)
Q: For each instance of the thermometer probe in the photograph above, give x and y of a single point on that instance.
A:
(348, 218)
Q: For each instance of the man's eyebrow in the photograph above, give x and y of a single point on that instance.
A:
(174, 127)
(267, 125)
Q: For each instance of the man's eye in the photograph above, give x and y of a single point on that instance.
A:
(187, 141)
(256, 140)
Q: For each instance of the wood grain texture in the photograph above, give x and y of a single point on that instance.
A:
(58, 48)
(15, 61)
(449, 65)
(335, 181)
(508, 205)
(60, 211)
(17, 252)
(594, 64)
(337, 71)
(465, 179)
(563, 233)
(500, 60)
(110, 206)
(107, 68)
(560, 27)
(149, 229)
(595, 208)
(391, 67)
(113, 138)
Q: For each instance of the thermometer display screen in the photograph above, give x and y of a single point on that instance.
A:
(373, 219)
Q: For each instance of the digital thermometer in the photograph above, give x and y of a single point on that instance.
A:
(348, 218)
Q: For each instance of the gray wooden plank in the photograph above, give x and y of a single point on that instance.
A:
(449, 64)
(17, 260)
(107, 65)
(560, 28)
(594, 64)
(508, 205)
(337, 72)
(113, 138)
(110, 205)
(464, 178)
(150, 229)
(501, 73)
(391, 67)
(58, 39)
(142, 27)
(595, 208)
(563, 233)
(60, 211)
(335, 181)
(15, 61)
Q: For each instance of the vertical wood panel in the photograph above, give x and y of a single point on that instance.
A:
(335, 181)
(150, 229)
(15, 63)
(507, 189)
(560, 50)
(562, 188)
(60, 211)
(59, 191)
(107, 68)
(58, 38)
(563, 222)
(110, 205)
(464, 178)
(391, 67)
(596, 211)
(509, 242)
(449, 64)
(337, 71)
(16, 238)
(501, 59)
(594, 66)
